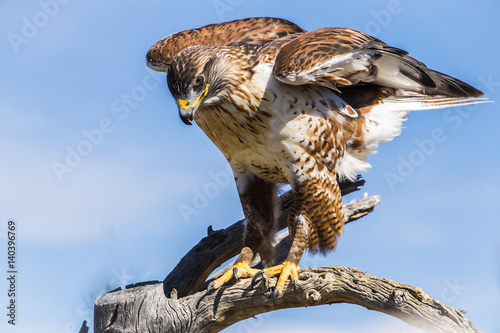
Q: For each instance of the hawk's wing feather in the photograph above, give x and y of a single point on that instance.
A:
(334, 57)
(244, 31)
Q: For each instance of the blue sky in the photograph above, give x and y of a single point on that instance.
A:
(74, 80)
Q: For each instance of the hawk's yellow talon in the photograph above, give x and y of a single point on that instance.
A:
(239, 270)
(286, 270)
(256, 276)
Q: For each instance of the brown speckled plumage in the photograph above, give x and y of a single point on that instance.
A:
(254, 30)
(294, 107)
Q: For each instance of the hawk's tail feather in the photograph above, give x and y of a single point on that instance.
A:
(450, 86)
(404, 72)
(416, 102)
(384, 121)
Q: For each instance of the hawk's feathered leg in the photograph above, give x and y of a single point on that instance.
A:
(316, 220)
(258, 199)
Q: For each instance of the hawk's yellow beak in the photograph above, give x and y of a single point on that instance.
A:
(187, 110)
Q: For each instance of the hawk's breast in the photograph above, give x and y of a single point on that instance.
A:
(290, 125)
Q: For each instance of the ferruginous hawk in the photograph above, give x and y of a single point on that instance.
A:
(286, 106)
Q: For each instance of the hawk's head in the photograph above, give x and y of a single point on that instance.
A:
(198, 75)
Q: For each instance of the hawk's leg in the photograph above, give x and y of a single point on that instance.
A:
(289, 268)
(258, 198)
(315, 221)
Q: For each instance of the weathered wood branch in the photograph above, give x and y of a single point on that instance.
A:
(146, 309)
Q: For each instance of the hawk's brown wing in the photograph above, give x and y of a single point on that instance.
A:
(250, 30)
(339, 56)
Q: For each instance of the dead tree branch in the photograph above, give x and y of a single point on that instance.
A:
(146, 309)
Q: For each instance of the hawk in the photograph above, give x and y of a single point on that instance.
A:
(287, 106)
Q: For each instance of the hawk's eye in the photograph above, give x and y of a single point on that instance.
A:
(199, 80)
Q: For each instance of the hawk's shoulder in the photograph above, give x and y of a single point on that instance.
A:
(256, 30)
